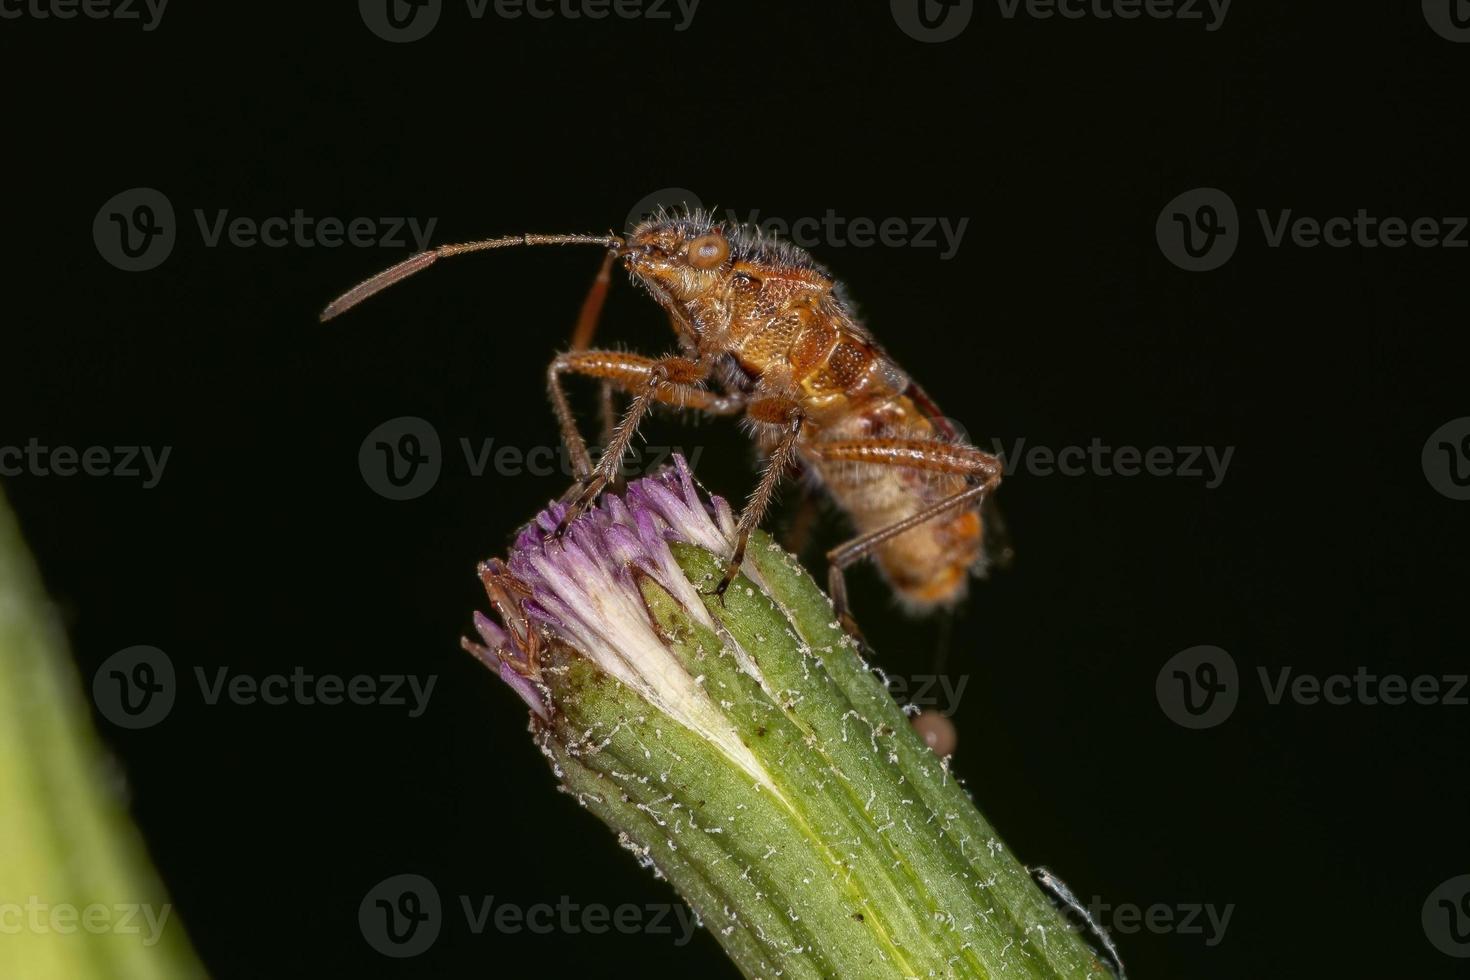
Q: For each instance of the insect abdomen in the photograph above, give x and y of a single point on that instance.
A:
(929, 565)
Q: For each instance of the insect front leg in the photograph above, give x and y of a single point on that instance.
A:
(981, 470)
(588, 320)
(775, 410)
(670, 380)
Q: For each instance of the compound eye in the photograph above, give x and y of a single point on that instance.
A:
(708, 251)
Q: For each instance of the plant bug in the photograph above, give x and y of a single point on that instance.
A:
(774, 334)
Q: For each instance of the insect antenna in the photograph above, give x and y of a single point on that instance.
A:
(415, 263)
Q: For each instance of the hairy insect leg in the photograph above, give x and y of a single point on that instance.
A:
(588, 318)
(764, 410)
(571, 436)
(591, 313)
(981, 470)
(670, 380)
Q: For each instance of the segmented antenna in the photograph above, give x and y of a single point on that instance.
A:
(415, 263)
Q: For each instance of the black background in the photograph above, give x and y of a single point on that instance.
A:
(1057, 321)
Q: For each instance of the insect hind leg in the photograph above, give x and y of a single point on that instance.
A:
(590, 315)
(982, 473)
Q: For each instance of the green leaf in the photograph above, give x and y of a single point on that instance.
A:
(78, 898)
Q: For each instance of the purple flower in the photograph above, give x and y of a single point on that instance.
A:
(582, 591)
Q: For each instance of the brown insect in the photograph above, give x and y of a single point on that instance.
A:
(773, 331)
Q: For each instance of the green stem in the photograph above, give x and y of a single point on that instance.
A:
(852, 852)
